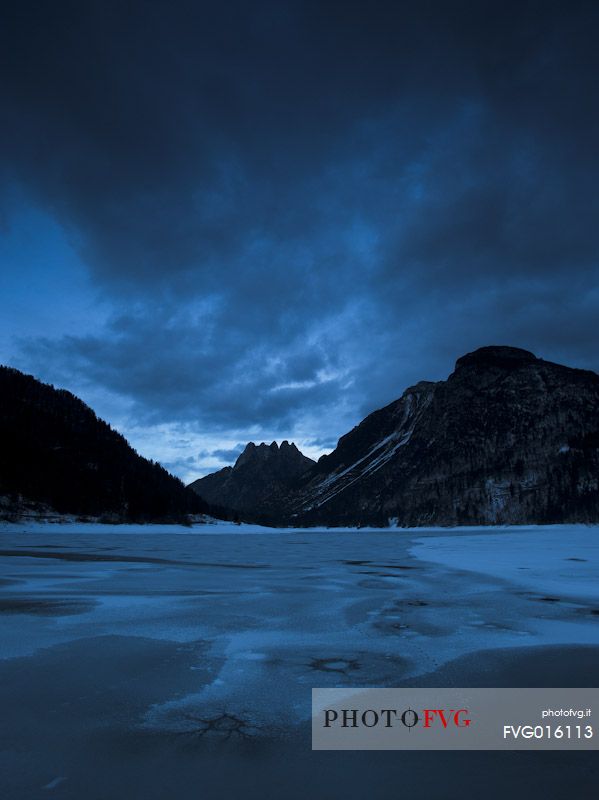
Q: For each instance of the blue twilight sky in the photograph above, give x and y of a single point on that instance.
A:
(232, 221)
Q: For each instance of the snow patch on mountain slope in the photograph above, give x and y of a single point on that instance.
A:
(379, 455)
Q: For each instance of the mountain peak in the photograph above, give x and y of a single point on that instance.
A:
(496, 356)
(508, 438)
(260, 471)
(269, 452)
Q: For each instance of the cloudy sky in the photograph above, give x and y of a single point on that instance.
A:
(224, 221)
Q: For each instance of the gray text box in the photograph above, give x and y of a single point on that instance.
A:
(455, 719)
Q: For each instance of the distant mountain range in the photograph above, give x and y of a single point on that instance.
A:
(57, 457)
(507, 439)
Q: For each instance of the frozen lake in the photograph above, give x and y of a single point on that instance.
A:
(123, 649)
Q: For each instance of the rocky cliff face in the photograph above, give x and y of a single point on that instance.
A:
(507, 438)
(262, 476)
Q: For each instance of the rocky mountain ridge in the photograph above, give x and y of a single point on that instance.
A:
(261, 474)
(508, 438)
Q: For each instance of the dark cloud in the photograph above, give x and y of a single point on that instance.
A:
(293, 209)
(325, 443)
(227, 455)
(176, 367)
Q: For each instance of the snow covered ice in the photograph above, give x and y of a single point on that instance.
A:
(220, 633)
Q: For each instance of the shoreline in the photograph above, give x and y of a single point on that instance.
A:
(224, 527)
